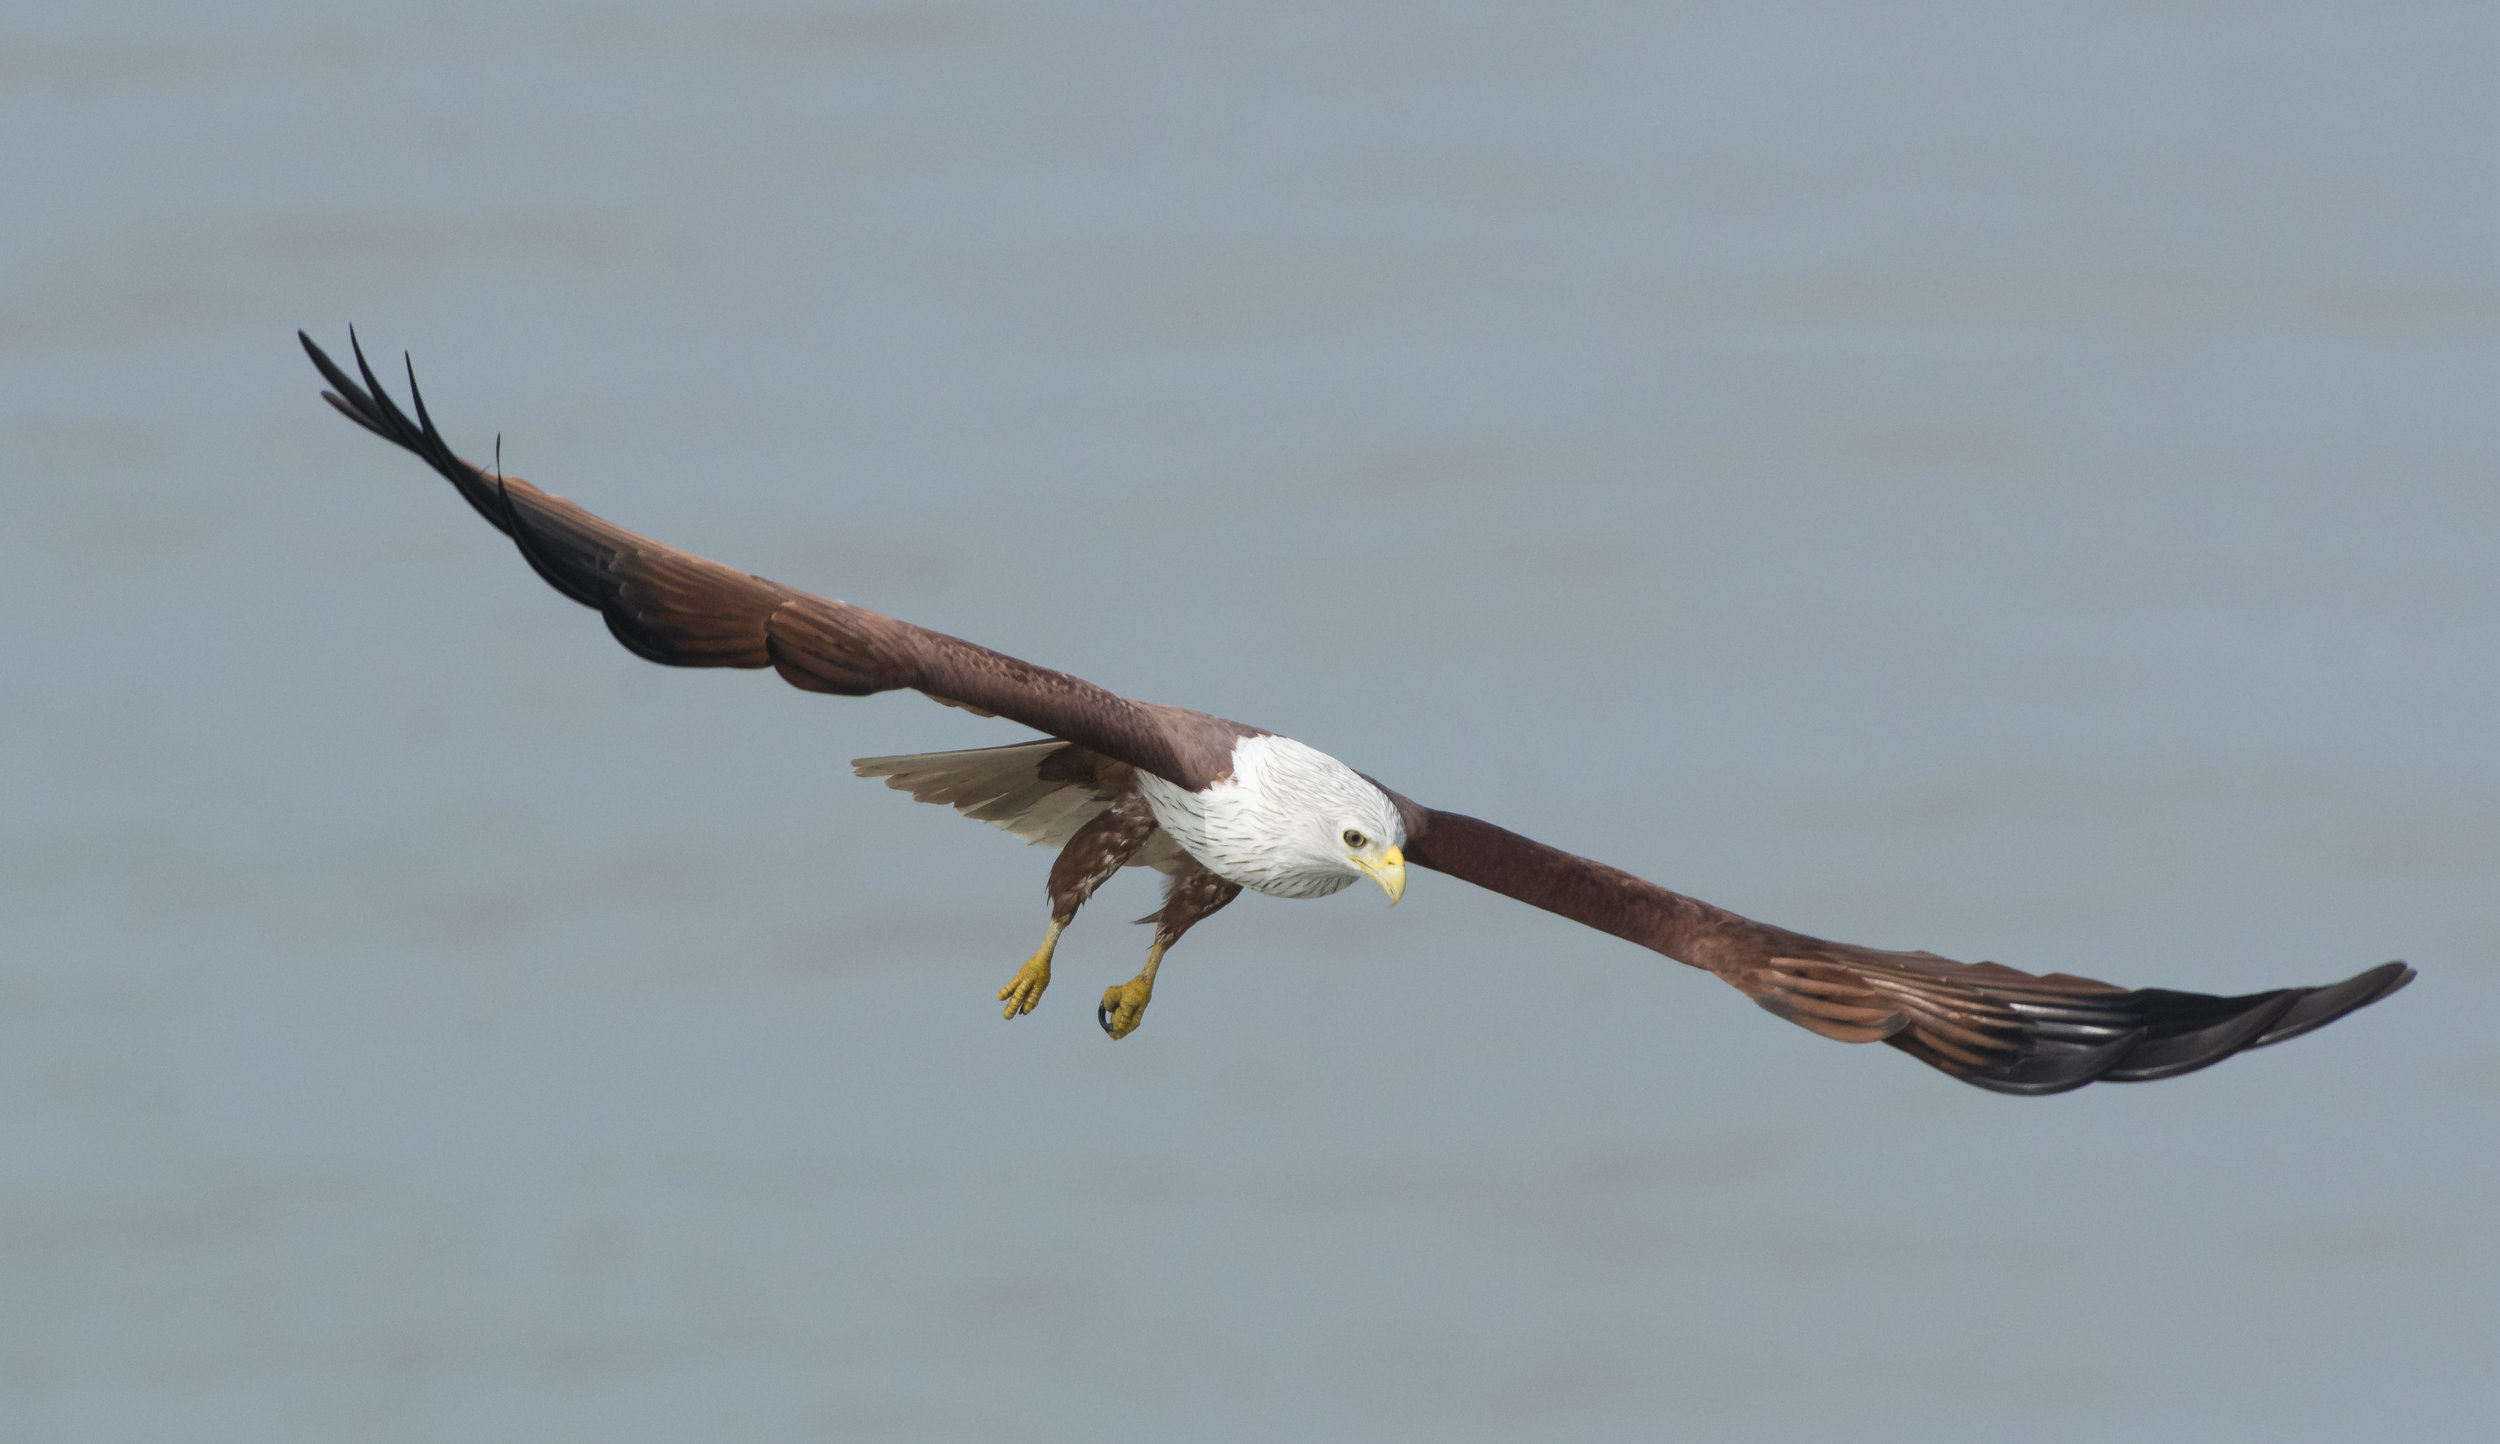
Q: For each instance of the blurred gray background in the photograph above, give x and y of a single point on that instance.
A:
(2017, 480)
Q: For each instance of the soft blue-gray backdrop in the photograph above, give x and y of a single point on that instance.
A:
(2019, 480)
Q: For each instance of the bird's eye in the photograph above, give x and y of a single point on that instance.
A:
(1353, 838)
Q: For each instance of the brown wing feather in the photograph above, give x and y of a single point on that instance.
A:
(676, 608)
(1984, 1023)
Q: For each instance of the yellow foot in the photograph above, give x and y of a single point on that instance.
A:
(1025, 988)
(1124, 1007)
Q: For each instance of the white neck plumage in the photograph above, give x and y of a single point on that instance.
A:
(1291, 821)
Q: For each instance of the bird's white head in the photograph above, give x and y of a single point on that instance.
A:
(1295, 822)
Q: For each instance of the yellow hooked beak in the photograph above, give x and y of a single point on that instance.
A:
(1389, 872)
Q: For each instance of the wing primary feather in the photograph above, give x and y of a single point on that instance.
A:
(352, 414)
(2169, 1055)
(2324, 1005)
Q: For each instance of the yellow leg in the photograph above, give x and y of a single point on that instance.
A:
(1025, 988)
(1124, 1007)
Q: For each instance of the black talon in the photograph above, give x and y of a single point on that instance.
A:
(1102, 1015)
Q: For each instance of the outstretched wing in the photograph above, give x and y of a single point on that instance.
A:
(1986, 1024)
(674, 607)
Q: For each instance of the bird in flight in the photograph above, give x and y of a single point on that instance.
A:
(1217, 806)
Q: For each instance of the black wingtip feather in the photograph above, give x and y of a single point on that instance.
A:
(352, 414)
(403, 430)
(2321, 1006)
(416, 398)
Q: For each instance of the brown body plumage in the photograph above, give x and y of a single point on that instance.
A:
(1988, 1025)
